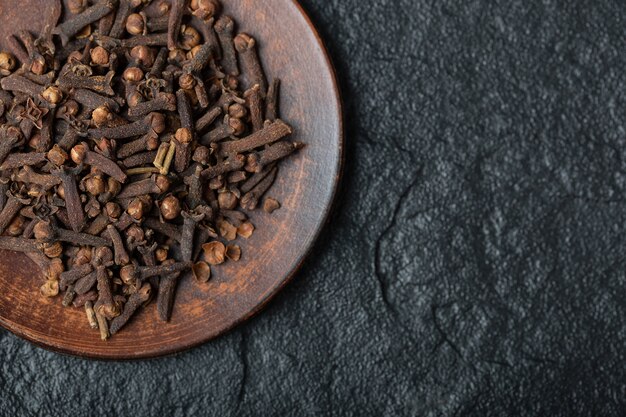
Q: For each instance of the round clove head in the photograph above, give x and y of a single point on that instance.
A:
(237, 111)
(102, 255)
(135, 234)
(270, 205)
(84, 33)
(163, 183)
(193, 52)
(176, 56)
(44, 231)
(52, 95)
(157, 122)
(83, 256)
(170, 207)
(35, 141)
(143, 55)
(75, 56)
(76, 6)
(217, 183)
(152, 143)
(161, 254)
(184, 135)
(201, 272)
(55, 269)
(7, 62)
(227, 200)
(57, 155)
(135, 24)
(138, 208)
(232, 82)
(113, 210)
(78, 153)
(101, 115)
(205, 9)
(163, 6)
(128, 274)
(113, 186)
(38, 67)
(190, 38)
(214, 252)
(133, 74)
(252, 163)
(108, 310)
(99, 56)
(133, 99)
(244, 42)
(16, 227)
(69, 109)
(50, 288)
(237, 125)
(202, 155)
(224, 24)
(187, 81)
(53, 250)
(233, 252)
(227, 230)
(245, 230)
(13, 134)
(95, 185)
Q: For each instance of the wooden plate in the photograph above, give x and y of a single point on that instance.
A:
(291, 50)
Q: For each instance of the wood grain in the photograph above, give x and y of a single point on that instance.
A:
(291, 50)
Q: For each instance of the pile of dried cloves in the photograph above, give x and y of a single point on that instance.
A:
(134, 138)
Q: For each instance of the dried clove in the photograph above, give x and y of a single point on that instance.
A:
(175, 23)
(47, 232)
(121, 256)
(273, 153)
(163, 102)
(271, 103)
(189, 226)
(105, 306)
(73, 26)
(92, 100)
(19, 84)
(134, 302)
(72, 198)
(98, 83)
(251, 199)
(10, 137)
(18, 244)
(269, 134)
(70, 277)
(12, 207)
(224, 27)
(207, 119)
(17, 160)
(246, 47)
(82, 154)
(152, 123)
(233, 163)
(165, 297)
(253, 98)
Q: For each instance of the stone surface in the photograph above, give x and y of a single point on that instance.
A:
(475, 261)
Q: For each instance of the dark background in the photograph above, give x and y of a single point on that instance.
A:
(475, 261)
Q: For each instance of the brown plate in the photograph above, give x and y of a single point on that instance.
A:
(291, 50)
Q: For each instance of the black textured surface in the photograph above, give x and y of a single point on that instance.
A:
(475, 262)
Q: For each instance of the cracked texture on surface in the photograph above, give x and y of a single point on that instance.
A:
(475, 263)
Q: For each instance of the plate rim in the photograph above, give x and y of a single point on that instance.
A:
(23, 333)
